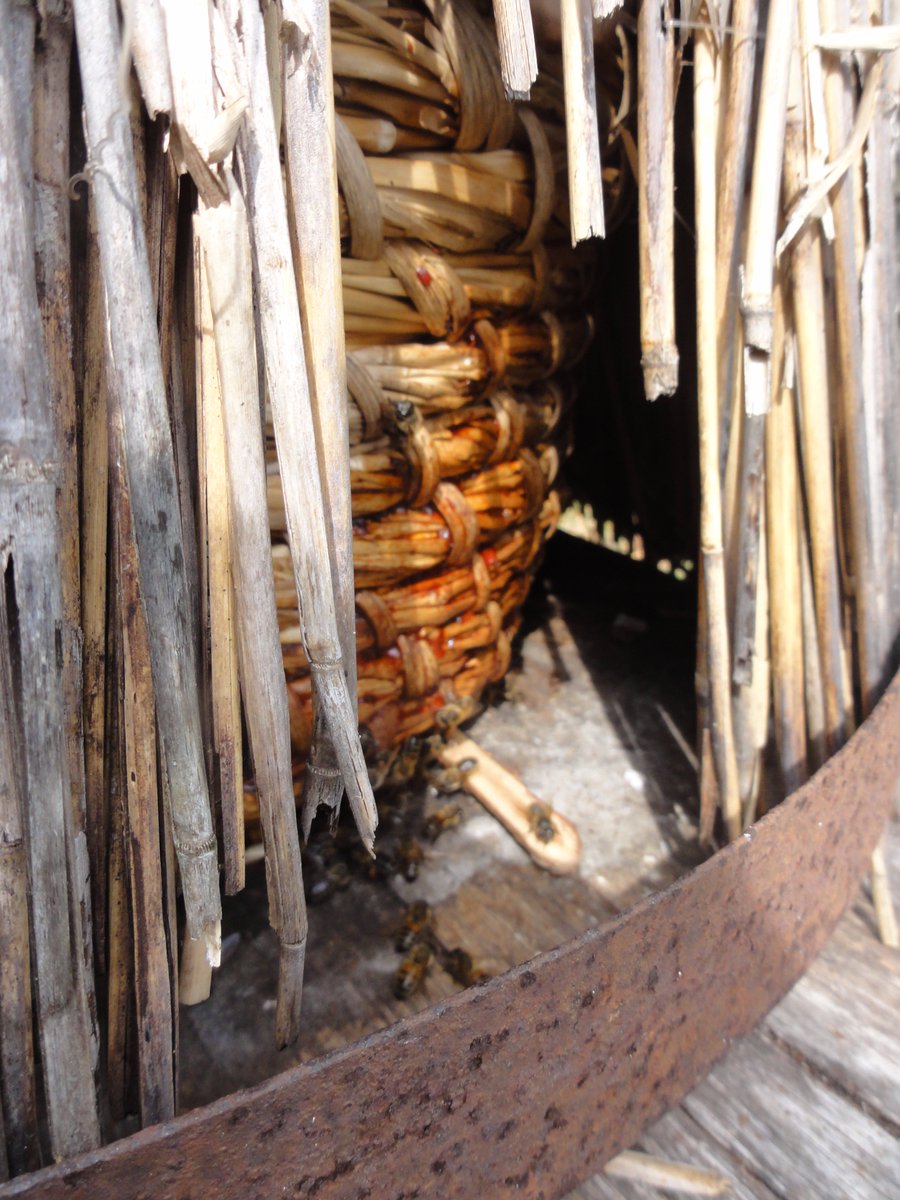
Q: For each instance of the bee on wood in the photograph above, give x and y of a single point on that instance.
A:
(409, 855)
(459, 966)
(416, 926)
(441, 820)
(540, 822)
(412, 971)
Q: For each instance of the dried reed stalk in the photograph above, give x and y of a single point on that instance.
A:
(21, 1151)
(783, 499)
(671, 1176)
(34, 612)
(223, 645)
(808, 319)
(656, 197)
(582, 136)
(156, 1082)
(93, 529)
(850, 401)
(224, 235)
(765, 198)
(275, 284)
(149, 463)
(518, 56)
(120, 951)
(148, 47)
(714, 599)
(741, 69)
(311, 162)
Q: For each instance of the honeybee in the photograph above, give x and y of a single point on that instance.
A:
(459, 966)
(409, 855)
(412, 971)
(441, 820)
(416, 926)
(540, 822)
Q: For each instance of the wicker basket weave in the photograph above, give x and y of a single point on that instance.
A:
(464, 306)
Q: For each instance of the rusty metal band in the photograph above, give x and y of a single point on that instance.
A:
(527, 1085)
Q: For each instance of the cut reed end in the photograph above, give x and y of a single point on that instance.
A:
(321, 789)
(291, 963)
(660, 367)
(514, 92)
(195, 972)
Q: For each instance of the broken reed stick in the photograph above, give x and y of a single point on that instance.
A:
(29, 480)
(714, 598)
(149, 462)
(679, 1178)
(805, 274)
(740, 49)
(518, 56)
(276, 289)
(582, 135)
(765, 205)
(224, 236)
(150, 967)
(221, 621)
(882, 901)
(311, 161)
(21, 1151)
(656, 197)
(783, 500)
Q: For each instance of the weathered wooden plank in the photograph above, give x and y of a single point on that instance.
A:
(795, 1132)
(842, 1018)
(678, 1138)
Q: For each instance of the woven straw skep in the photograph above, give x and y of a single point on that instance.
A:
(464, 306)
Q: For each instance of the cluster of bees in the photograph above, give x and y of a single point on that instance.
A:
(332, 862)
(417, 940)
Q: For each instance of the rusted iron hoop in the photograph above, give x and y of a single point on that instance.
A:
(529, 1084)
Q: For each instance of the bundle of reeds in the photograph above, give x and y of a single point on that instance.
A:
(796, 370)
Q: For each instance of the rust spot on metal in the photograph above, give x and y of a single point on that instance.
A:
(725, 943)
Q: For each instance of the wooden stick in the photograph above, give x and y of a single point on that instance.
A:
(150, 464)
(150, 963)
(315, 228)
(718, 658)
(276, 287)
(375, 135)
(518, 56)
(505, 797)
(224, 235)
(656, 198)
(35, 615)
(582, 136)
